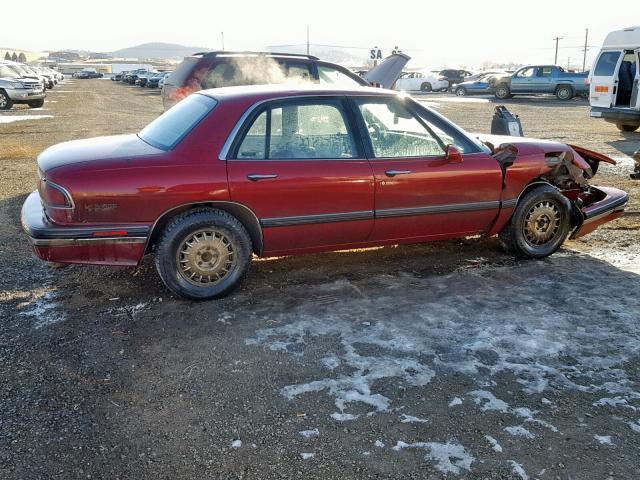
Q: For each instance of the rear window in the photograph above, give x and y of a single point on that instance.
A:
(606, 65)
(166, 131)
(181, 73)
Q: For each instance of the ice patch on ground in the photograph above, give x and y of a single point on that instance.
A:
(635, 426)
(615, 402)
(236, 444)
(519, 431)
(379, 444)
(450, 457)
(19, 118)
(412, 419)
(307, 456)
(310, 433)
(343, 417)
(604, 439)
(494, 443)
(489, 402)
(455, 401)
(517, 469)
(42, 307)
(331, 362)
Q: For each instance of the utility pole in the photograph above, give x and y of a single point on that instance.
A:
(222, 36)
(557, 39)
(307, 39)
(584, 57)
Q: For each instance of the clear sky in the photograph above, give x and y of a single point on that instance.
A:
(444, 33)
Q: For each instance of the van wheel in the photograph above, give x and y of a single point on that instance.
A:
(204, 253)
(564, 92)
(502, 92)
(627, 128)
(5, 102)
(539, 225)
(426, 87)
(36, 103)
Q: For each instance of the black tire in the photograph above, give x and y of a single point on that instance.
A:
(174, 250)
(461, 92)
(540, 223)
(502, 91)
(426, 87)
(627, 128)
(5, 102)
(565, 92)
(36, 103)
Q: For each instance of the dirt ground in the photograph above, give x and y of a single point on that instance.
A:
(447, 360)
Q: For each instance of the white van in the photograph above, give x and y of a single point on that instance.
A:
(615, 78)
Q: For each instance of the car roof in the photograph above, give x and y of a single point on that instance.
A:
(226, 53)
(261, 92)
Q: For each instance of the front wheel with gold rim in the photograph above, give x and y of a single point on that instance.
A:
(203, 253)
(540, 223)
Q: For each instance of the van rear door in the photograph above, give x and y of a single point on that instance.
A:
(635, 93)
(604, 79)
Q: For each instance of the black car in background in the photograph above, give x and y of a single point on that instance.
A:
(88, 73)
(454, 76)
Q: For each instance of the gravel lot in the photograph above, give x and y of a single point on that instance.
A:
(443, 360)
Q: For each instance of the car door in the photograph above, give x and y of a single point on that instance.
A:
(298, 166)
(545, 79)
(522, 80)
(604, 79)
(420, 193)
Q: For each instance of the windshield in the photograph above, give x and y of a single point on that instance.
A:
(6, 72)
(166, 131)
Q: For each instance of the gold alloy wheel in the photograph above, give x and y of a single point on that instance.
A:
(542, 223)
(205, 257)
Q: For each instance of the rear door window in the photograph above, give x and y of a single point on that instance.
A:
(299, 130)
(333, 76)
(607, 63)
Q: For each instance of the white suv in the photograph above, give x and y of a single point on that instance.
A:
(16, 89)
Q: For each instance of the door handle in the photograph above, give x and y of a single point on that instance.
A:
(254, 177)
(393, 173)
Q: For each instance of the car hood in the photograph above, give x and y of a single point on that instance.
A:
(93, 149)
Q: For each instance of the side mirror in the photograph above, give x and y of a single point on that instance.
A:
(453, 155)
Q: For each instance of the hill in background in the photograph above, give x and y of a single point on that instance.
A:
(158, 50)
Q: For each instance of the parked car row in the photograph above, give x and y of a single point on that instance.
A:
(25, 84)
(528, 80)
(142, 78)
(88, 73)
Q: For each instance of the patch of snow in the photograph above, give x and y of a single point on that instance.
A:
(614, 402)
(604, 439)
(236, 444)
(19, 118)
(455, 401)
(635, 426)
(546, 401)
(379, 444)
(488, 401)
(310, 433)
(307, 456)
(494, 443)
(330, 362)
(517, 469)
(42, 308)
(519, 431)
(450, 457)
(412, 419)
(343, 417)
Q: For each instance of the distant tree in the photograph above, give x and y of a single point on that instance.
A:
(22, 57)
(14, 57)
(7, 56)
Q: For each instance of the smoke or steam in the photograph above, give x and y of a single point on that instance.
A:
(256, 70)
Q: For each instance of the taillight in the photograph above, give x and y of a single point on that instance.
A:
(54, 196)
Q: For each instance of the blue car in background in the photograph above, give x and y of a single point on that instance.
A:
(483, 84)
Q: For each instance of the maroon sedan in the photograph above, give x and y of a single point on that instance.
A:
(232, 172)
